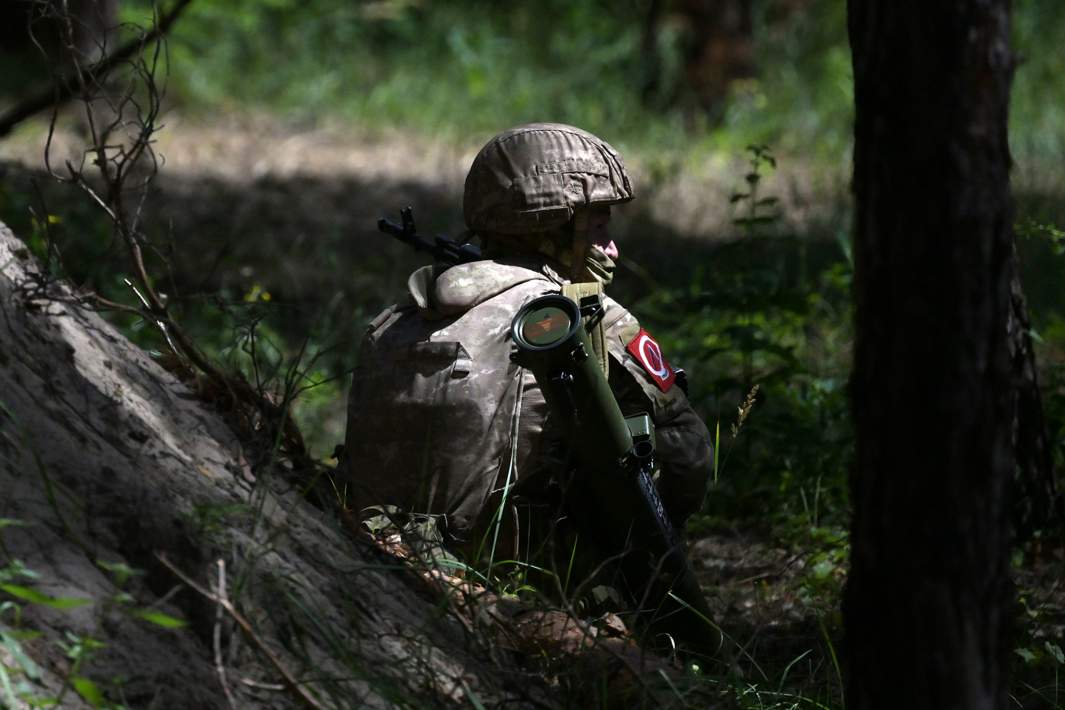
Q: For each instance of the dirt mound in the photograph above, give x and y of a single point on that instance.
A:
(108, 466)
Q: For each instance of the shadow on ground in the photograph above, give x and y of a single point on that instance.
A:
(311, 240)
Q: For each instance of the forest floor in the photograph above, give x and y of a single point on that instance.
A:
(305, 202)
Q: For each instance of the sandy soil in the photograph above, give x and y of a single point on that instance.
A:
(690, 199)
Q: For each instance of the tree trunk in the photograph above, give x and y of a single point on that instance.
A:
(651, 60)
(92, 25)
(1035, 501)
(720, 49)
(927, 603)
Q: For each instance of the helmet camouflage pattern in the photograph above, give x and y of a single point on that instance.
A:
(531, 179)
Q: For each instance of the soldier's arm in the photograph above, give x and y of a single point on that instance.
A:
(683, 441)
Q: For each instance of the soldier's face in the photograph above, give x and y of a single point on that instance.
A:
(598, 234)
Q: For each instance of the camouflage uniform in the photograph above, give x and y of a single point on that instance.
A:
(439, 418)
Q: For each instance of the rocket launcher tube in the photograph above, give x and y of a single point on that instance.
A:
(614, 464)
(553, 344)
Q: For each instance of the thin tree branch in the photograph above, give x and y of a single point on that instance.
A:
(291, 683)
(219, 664)
(63, 91)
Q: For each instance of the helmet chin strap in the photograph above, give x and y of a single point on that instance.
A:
(582, 248)
(587, 262)
(568, 246)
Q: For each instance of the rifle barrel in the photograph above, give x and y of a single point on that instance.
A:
(442, 249)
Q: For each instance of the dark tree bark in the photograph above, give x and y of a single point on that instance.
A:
(720, 49)
(1035, 501)
(92, 23)
(95, 74)
(651, 61)
(927, 603)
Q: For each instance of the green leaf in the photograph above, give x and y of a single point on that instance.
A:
(1026, 654)
(15, 649)
(5, 685)
(13, 523)
(34, 597)
(119, 570)
(15, 569)
(159, 618)
(1055, 650)
(823, 569)
(88, 690)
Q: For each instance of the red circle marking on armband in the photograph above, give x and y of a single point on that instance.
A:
(648, 353)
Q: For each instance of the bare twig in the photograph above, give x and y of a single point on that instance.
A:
(105, 304)
(124, 158)
(261, 686)
(63, 91)
(291, 683)
(218, 663)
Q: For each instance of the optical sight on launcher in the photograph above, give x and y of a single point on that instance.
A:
(613, 467)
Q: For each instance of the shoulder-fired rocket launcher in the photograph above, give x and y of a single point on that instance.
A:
(612, 495)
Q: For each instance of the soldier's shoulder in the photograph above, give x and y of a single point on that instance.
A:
(465, 286)
(619, 323)
(641, 361)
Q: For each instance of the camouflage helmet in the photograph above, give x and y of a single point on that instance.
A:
(531, 179)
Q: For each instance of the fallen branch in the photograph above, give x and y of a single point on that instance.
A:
(291, 683)
(220, 666)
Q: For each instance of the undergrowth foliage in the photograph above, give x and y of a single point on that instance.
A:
(19, 673)
(771, 316)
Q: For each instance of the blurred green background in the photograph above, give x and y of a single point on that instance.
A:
(623, 69)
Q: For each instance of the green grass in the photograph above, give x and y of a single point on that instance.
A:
(458, 69)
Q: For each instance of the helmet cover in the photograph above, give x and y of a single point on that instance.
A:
(531, 179)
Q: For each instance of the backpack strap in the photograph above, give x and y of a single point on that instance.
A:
(597, 333)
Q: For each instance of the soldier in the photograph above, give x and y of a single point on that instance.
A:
(441, 422)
